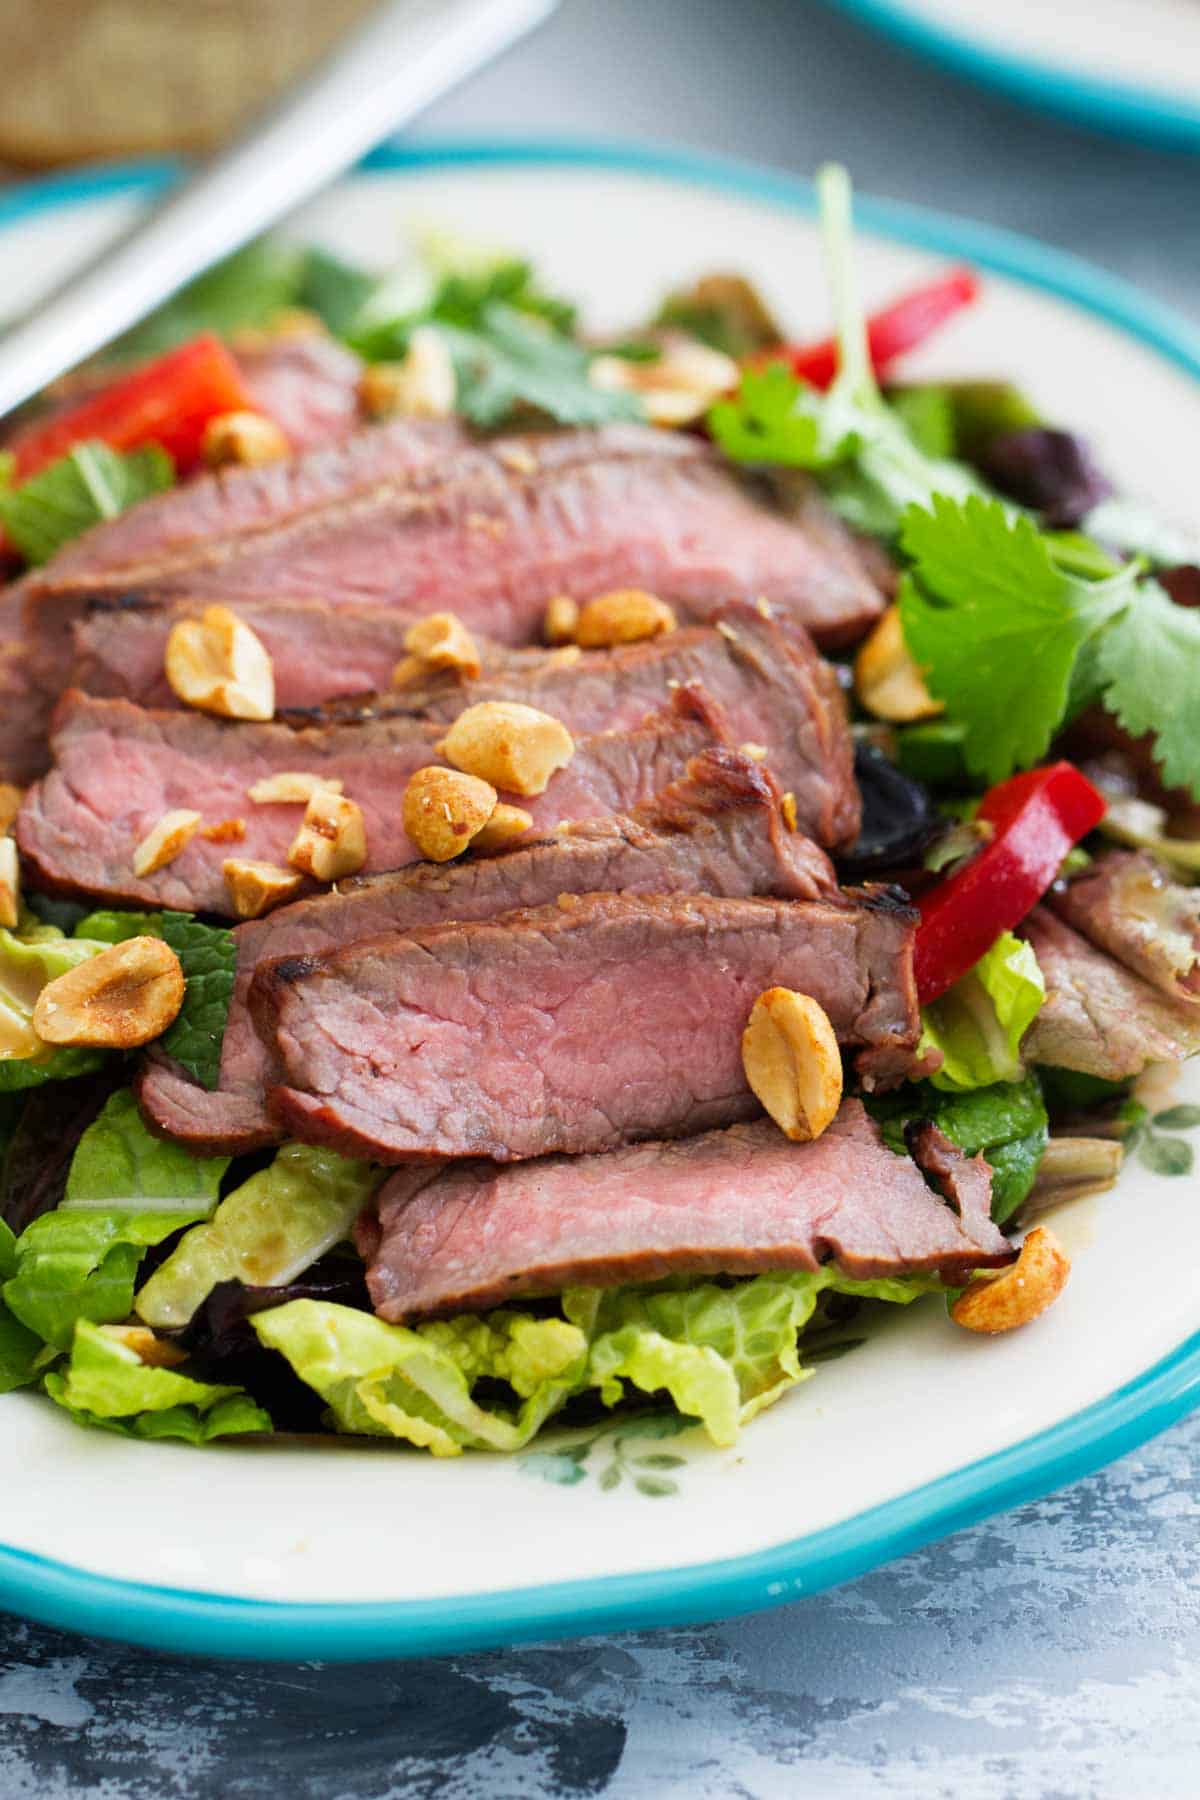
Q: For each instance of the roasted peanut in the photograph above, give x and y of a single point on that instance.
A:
(787, 807)
(1019, 1293)
(509, 745)
(561, 620)
(116, 1000)
(223, 831)
(444, 810)
(791, 1059)
(624, 617)
(422, 386)
(255, 887)
(505, 824)
(243, 439)
(10, 803)
(10, 884)
(332, 841)
(887, 680)
(294, 787)
(676, 388)
(442, 641)
(217, 664)
(146, 1345)
(174, 831)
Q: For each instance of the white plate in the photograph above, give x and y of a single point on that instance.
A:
(1129, 66)
(350, 1551)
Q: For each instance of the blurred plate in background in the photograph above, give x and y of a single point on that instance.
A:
(1126, 66)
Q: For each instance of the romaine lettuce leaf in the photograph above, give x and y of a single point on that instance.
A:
(384, 1380)
(29, 958)
(19, 1348)
(979, 1023)
(82, 1265)
(264, 1234)
(119, 1164)
(105, 1382)
(90, 483)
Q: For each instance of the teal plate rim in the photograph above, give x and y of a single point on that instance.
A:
(1116, 107)
(184, 1620)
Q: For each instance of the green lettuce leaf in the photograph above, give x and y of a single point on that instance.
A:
(979, 1023)
(82, 1265)
(208, 957)
(88, 484)
(120, 1165)
(384, 1380)
(19, 1347)
(106, 1383)
(266, 1233)
(1007, 1123)
(110, 926)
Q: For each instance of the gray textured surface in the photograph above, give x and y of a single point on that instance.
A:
(1054, 1652)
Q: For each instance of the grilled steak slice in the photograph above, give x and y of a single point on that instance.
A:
(488, 530)
(738, 1202)
(118, 769)
(773, 687)
(307, 383)
(1128, 905)
(1099, 1017)
(718, 830)
(574, 1027)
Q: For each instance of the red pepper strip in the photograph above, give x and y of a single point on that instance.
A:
(1035, 818)
(168, 401)
(891, 333)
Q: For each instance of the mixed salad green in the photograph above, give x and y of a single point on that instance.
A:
(153, 1293)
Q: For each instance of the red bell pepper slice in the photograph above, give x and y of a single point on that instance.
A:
(168, 401)
(1035, 818)
(891, 333)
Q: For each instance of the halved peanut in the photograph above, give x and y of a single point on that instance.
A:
(243, 439)
(10, 803)
(887, 680)
(422, 386)
(442, 641)
(444, 810)
(255, 887)
(147, 1346)
(676, 388)
(332, 841)
(294, 787)
(10, 884)
(624, 617)
(791, 1059)
(1019, 1293)
(509, 745)
(505, 824)
(162, 845)
(116, 1000)
(561, 620)
(217, 664)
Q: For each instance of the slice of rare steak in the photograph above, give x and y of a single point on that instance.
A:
(718, 830)
(1127, 904)
(743, 1201)
(574, 1027)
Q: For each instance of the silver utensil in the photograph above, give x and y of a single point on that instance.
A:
(404, 58)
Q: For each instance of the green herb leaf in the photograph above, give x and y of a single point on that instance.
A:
(1006, 1122)
(511, 362)
(119, 1164)
(88, 484)
(248, 288)
(776, 419)
(1149, 663)
(997, 626)
(208, 957)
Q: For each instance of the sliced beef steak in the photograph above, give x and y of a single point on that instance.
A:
(1098, 1017)
(490, 531)
(718, 831)
(119, 768)
(307, 383)
(1128, 905)
(775, 690)
(739, 1202)
(573, 1027)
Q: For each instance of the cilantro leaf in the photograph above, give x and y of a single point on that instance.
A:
(512, 362)
(997, 626)
(208, 957)
(247, 288)
(88, 484)
(775, 419)
(1149, 663)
